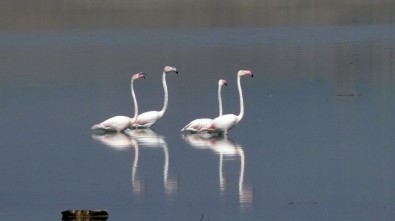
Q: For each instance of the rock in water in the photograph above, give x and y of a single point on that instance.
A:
(80, 214)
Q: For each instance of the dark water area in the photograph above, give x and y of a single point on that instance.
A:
(188, 13)
(315, 143)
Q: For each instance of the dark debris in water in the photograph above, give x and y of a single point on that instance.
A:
(79, 214)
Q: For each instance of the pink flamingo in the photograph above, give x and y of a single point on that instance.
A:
(224, 123)
(196, 125)
(147, 119)
(121, 123)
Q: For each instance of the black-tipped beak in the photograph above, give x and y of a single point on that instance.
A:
(176, 72)
(252, 75)
(226, 84)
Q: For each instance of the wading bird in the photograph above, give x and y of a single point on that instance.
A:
(121, 123)
(196, 125)
(224, 123)
(147, 119)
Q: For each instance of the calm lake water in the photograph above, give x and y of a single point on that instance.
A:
(316, 142)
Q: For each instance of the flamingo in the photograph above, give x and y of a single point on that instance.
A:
(224, 123)
(147, 119)
(195, 125)
(121, 123)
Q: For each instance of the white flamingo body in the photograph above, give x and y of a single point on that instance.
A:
(224, 123)
(121, 123)
(195, 125)
(117, 123)
(198, 124)
(147, 119)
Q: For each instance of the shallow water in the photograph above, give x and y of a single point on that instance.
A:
(316, 142)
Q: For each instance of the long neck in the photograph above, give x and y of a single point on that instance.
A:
(241, 100)
(136, 109)
(166, 95)
(220, 99)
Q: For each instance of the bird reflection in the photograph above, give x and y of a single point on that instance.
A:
(225, 148)
(149, 138)
(115, 140)
(136, 139)
(122, 141)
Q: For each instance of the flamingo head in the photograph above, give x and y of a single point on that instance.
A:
(242, 73)
(223, 82)
(139, 75)
(168, 69)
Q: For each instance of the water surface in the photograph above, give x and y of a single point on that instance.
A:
(316, 142)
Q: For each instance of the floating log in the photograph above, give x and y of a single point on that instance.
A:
(79, 214)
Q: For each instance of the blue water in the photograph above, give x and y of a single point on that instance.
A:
(316, 142)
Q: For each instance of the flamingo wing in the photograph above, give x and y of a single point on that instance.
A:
(147, 119)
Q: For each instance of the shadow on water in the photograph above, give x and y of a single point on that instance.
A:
(136, 139)
(227, 150)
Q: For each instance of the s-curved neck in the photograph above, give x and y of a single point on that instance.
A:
(220, 99)
(136, 109)
(166, 95)
(241, 100)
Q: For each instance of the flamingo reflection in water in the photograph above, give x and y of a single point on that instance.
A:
(136, 139)
(122, 141)
(149, 138)
(115, 140)
(224, 147)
